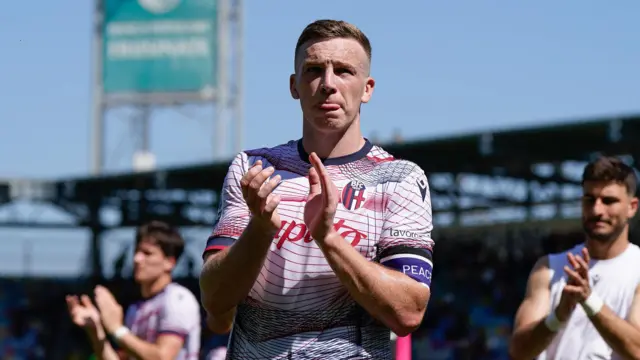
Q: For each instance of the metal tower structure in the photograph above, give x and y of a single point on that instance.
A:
(157, 54)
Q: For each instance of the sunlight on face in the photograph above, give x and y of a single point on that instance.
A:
(606, 209)
(339, 65)
(149, 262)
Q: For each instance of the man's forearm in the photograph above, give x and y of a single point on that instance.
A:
(530, 341)
(623, 337)
(101, 347)
(139, 348)
(227, 276)
(393, 298)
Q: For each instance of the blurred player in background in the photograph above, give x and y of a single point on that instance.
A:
(323, 244)
(585, 303)
(164, 325)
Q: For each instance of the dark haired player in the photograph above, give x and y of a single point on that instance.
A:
(165, 325)
(585, 303)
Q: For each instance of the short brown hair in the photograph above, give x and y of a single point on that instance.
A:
(164, 235)
(611, 169)
(333, 29)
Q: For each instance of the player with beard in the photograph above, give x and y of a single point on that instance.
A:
(585, 303)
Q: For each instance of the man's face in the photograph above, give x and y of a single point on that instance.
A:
(149, 262)
(606, 209)
(342, 67)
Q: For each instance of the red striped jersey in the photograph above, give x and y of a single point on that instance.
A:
(297, 308)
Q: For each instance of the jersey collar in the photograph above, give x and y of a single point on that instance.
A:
(340, 160)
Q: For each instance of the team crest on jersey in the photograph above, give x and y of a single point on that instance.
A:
(354, 195)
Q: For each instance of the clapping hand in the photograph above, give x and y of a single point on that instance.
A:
(322, 202)
(83, 313)
(111, 312)
(578, 274)
(257, 190)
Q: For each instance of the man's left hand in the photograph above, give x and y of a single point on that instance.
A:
(322, 202)
(110, 311)
(578, 274)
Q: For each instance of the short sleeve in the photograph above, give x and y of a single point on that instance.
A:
(405, 243)
(180, 314)
(233, 213)
(130, 315)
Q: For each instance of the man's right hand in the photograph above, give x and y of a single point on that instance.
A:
(568, 300)
(565, 307)
(84, 314)
(257, 191)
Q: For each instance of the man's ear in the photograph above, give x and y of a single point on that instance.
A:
(292, 87)
(169, 263)
(633, 207)
(368, 90)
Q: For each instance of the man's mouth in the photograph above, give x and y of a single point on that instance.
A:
(329, 106)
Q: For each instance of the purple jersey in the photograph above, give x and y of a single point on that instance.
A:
(297, 308)
(173, 311)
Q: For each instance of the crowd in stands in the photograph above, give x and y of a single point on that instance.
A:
(476, 291)
(23, 318)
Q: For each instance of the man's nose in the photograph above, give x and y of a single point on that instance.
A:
(328, 81)
(137, 257)
(598, 208)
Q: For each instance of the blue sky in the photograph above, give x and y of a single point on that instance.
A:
(442, 68)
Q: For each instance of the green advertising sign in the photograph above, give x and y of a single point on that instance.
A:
(159, 46)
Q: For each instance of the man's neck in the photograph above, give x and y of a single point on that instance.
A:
(331, 145)
(153, 288)
(600, 250)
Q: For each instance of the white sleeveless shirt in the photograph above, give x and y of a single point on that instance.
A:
(615, 281)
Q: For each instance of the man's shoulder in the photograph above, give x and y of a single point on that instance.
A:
(285, 152)
(392, 169)
(289, 147)
(561, 256)
(384, 158)
(554, 261)
(178, 294)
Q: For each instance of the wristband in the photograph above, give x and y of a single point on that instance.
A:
(552, 322)
(120, 332)
(592, 305)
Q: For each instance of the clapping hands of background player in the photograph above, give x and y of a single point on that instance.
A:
(257, 191)
(577, 289)
(578, 276)
(111, 312)
(83, 313)
(107, 315)
(322, 201)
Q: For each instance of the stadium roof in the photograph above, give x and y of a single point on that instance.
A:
(513, 151)
(508, 154)
(504, 189)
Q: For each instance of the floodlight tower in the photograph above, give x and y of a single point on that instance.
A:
(151, 54)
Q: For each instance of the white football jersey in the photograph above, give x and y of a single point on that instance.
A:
(615, 281)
